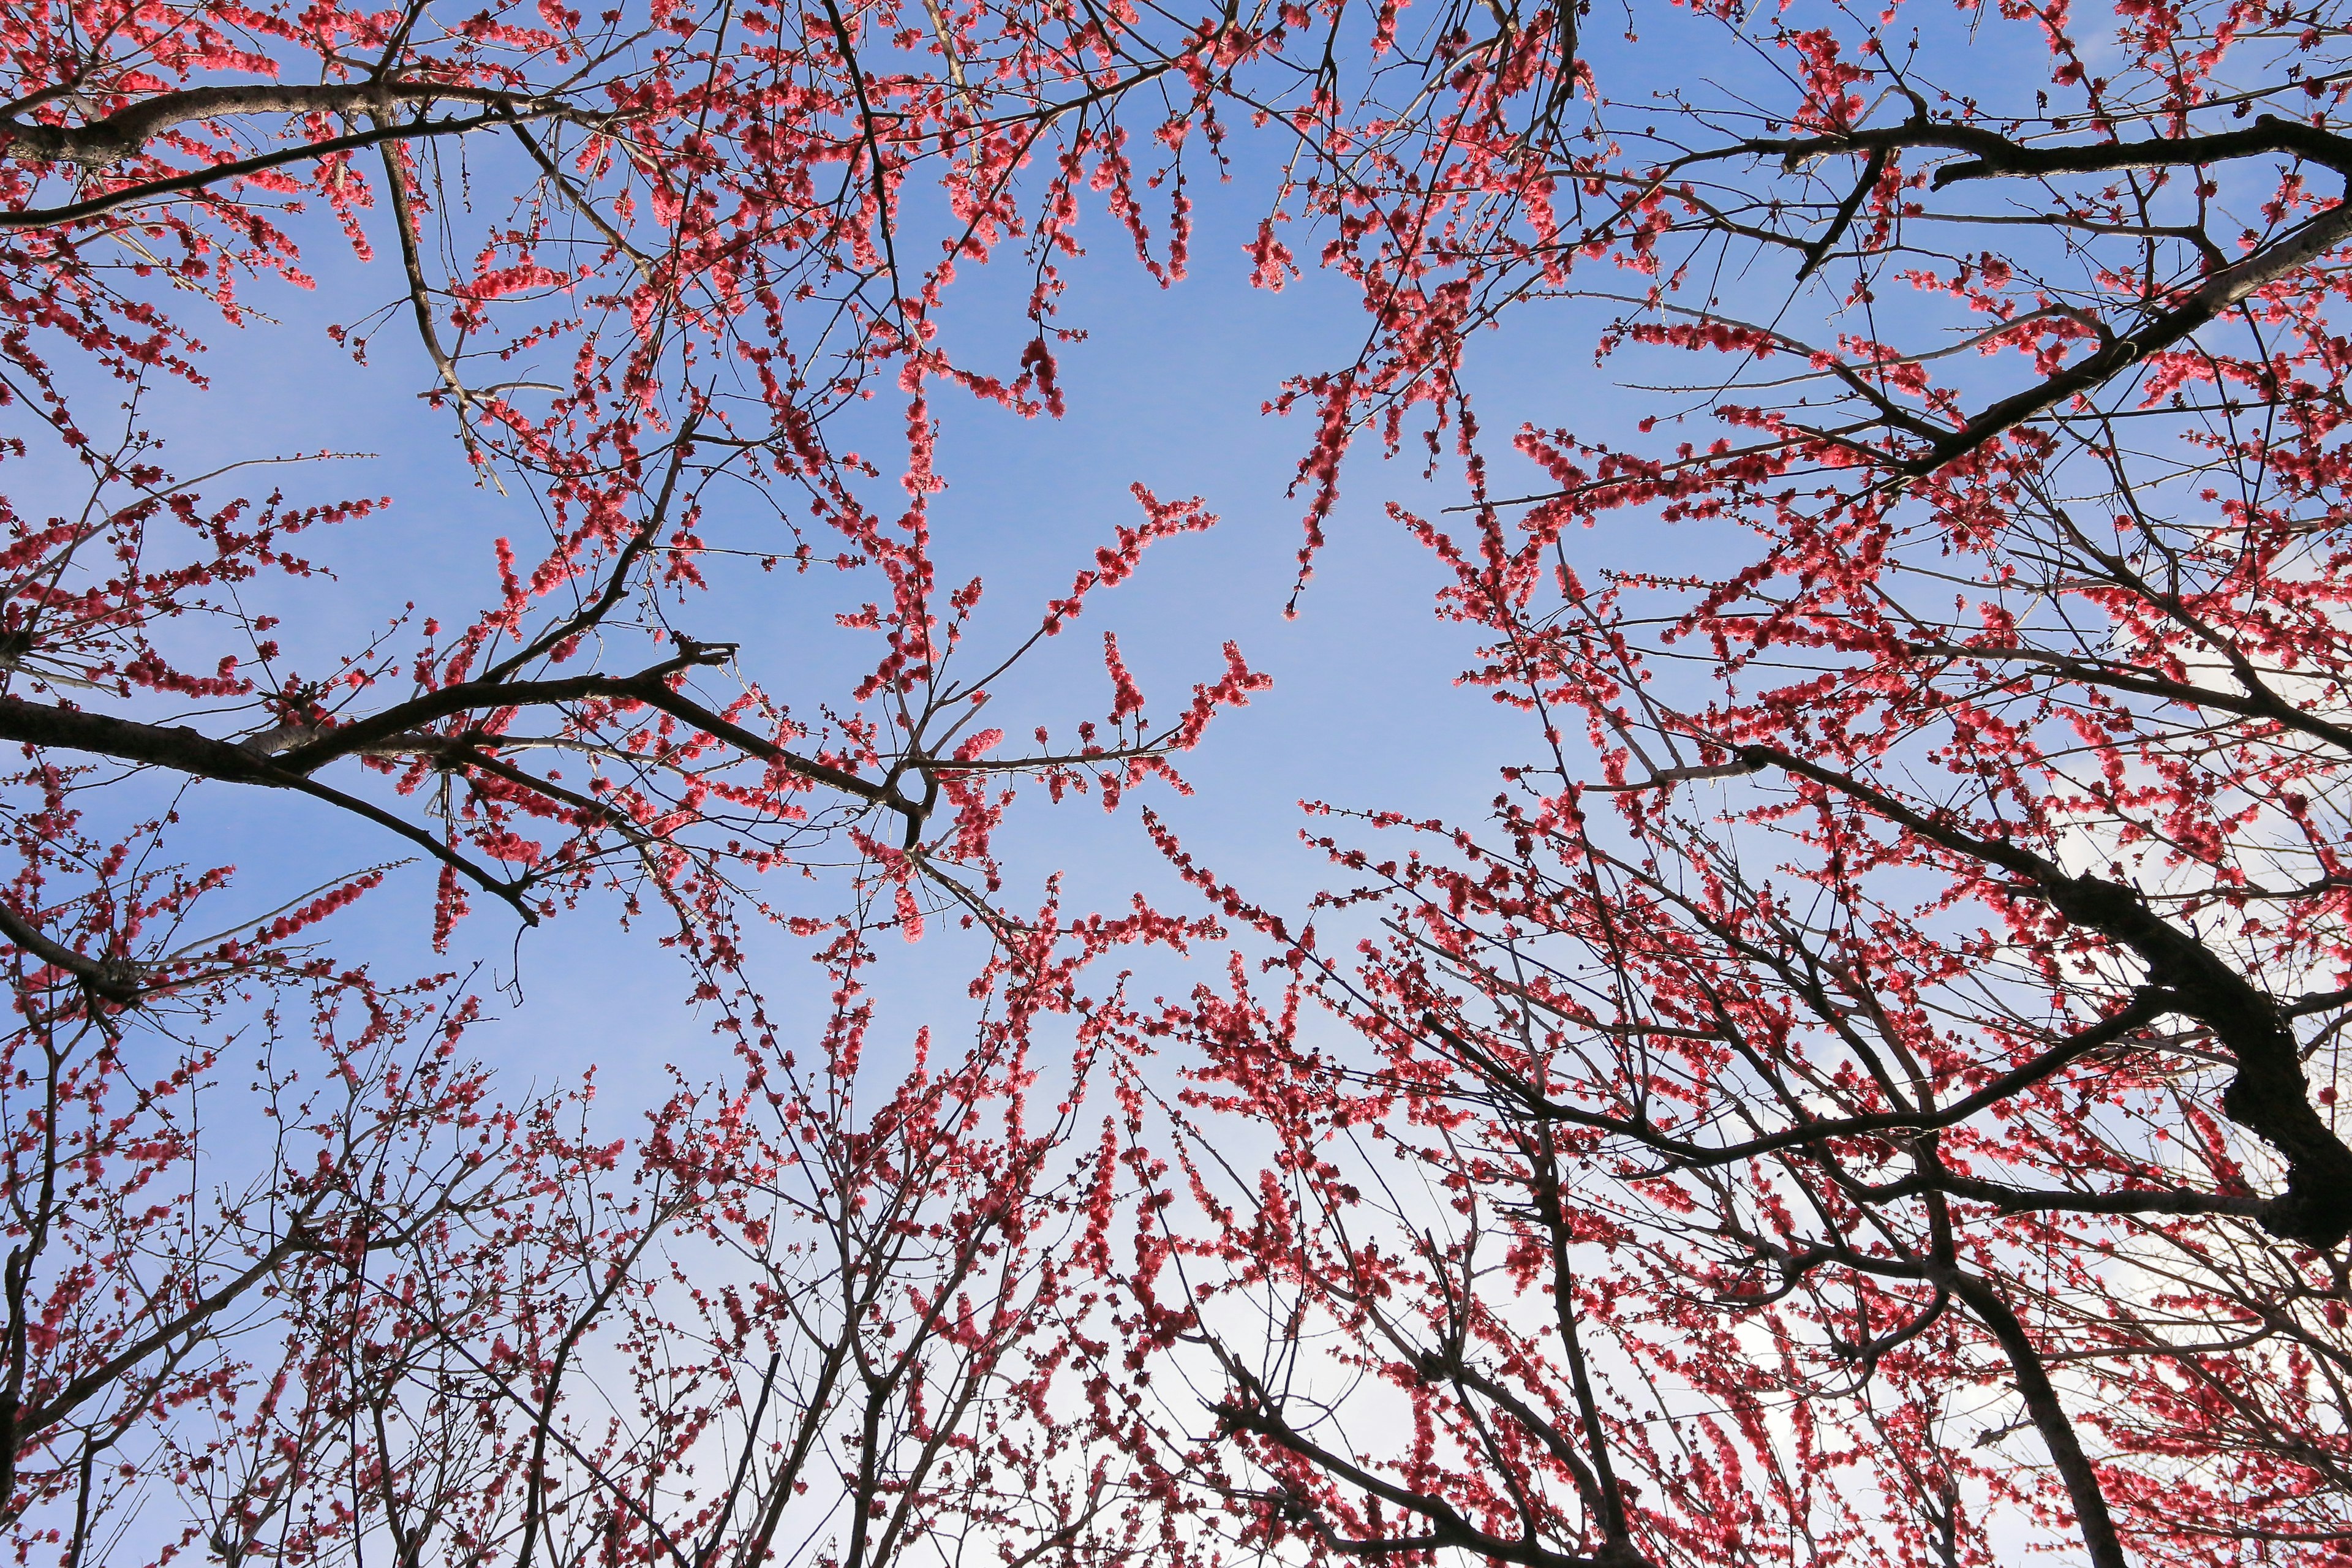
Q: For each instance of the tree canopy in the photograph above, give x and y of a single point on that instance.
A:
(1863, 1089)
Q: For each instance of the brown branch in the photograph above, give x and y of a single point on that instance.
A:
(185, 751)
(2020, 1199)
(112, 982)
(49, 1412)
(1256, 1413)
(2090, 1516)
(181, 750)
(1530, 1420)
(1544, 1163)
(1995, 155)
(872, 151)
(510, 893)
(2260, 702)
(2268, 134)
(618, 583)
(1817, 251)
(213, 174)
(2220, 292)
(2144, 1009)
(117, 136)
(395, 731)
(420, 298)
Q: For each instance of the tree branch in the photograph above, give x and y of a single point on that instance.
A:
(2269, 1096)
(213, 174)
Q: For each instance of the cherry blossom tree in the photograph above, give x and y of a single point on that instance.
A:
(828, 1310)
(1867, 1091)
(287, 1278)
(1870, 1089)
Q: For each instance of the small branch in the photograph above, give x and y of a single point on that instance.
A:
(1872, 168)
(115, 982)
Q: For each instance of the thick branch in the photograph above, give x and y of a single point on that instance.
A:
(185, 751)
(2269, 1096)
(399, 730)
(181, 750)
(1994, 154)
(2042, 1402)
(45, 1413)
(2267, 135)
(117, 136)
(213, 174)
(2260, 702)
(2220, 291)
